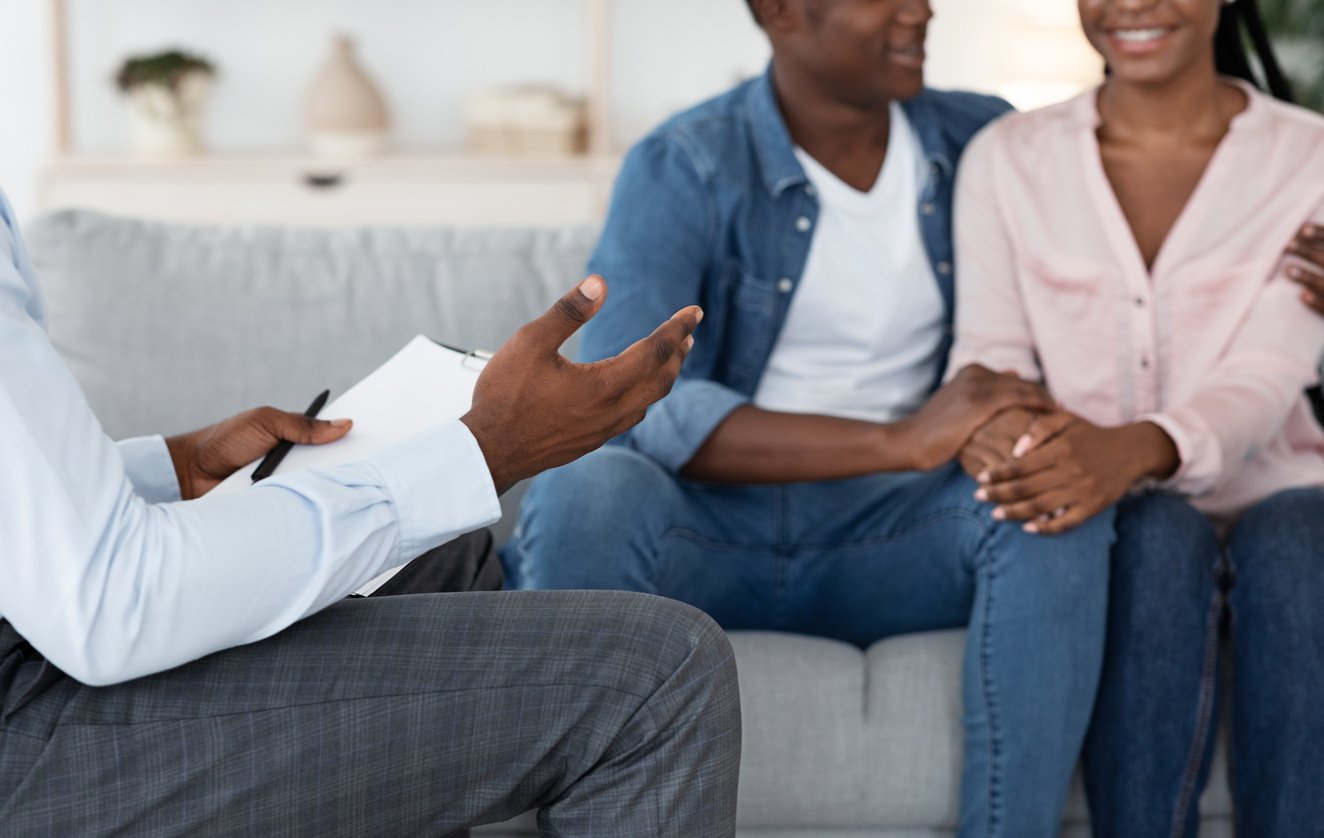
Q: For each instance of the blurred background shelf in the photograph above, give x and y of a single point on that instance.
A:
(622, 58)
(409, 189)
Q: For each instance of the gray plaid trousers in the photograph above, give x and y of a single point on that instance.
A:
(614, 714)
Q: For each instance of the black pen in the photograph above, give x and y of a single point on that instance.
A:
(267, 467)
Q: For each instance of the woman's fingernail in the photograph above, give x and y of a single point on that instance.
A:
(1031, 527)
(984, 476)
(981, 495)
(339, 423)
(999, 514)
(592, 288)
(698, 317)
(1309, 230)
(1022, 445)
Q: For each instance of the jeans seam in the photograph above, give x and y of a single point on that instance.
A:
(1203, 718)
(780, 553)
(990, 708)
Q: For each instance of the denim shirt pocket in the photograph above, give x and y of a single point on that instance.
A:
(752, 325)
(749, 293)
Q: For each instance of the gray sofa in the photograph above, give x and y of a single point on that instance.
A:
(171, 327)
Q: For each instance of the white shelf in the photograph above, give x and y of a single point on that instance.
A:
(401, 189)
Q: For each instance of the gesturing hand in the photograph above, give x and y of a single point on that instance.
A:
(534, 410)
(1066, 469)
(941, 427)
(204, 458)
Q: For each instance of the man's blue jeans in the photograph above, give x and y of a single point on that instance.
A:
(1147, 755)
(860, 560)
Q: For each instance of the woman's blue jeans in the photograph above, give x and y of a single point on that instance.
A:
(860, 560)
(1173, 593)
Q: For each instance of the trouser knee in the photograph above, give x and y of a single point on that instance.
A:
(593, 523)
(682, 645)
(1165, 547)
(1276, 552)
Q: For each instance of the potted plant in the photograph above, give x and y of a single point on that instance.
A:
(166, 92)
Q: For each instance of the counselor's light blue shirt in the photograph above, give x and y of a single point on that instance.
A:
(111, 576)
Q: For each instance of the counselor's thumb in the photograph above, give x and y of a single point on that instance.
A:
(305, 431)
(570, 312)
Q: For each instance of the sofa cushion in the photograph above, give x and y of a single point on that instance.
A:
(170, 327)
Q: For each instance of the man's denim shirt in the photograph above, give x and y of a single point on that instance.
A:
(713, 208)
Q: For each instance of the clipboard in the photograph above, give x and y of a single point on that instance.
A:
(422, 385)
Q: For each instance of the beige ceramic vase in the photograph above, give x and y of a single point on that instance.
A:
(347, 116)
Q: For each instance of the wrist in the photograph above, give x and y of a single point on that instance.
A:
(900, 446)
(1154, 453)
(181, 450)
(502, 478)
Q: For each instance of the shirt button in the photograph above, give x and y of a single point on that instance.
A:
(944, 268)
(926, 209)
(810, 190)
(803, 224)
(785, 285)
(1144, 363)
(1140, 302)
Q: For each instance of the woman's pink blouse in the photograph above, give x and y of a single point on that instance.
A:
(1213, 345)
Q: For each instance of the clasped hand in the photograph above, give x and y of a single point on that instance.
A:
(1055, 470)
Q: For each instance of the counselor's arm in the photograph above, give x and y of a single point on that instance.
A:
(110, 586)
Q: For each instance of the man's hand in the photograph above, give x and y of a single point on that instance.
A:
(1309, 247)
(993, 443)
(940, 429)
(204, 458)
(1065, 469)
(534, 410)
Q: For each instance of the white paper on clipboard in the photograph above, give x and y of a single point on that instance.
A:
(422, 385)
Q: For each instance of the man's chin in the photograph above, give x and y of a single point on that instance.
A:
(899, 90)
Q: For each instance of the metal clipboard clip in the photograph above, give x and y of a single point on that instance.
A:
(474, 359)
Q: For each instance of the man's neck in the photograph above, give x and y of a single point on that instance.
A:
(849, 140)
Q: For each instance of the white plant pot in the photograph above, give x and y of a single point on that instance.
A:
(167, 122)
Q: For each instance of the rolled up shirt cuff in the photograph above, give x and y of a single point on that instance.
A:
(678, 426)
(440, 485)
(149, 468)
(1201, 456)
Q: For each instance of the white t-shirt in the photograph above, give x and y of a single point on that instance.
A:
(864, 331)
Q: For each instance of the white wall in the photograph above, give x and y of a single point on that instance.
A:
(27, 131)
(425, 54)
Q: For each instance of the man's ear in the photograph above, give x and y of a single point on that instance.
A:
(773, 15)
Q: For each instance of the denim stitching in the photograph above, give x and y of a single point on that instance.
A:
(907, 527)
(1203, 717)
(985, 568)
(779, 558)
